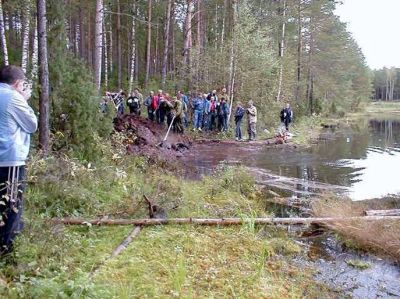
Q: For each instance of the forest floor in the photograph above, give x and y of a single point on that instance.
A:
(162, 262)
(55, 261)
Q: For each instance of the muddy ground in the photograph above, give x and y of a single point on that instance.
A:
(144, 137)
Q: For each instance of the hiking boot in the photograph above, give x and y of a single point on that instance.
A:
(200, 129)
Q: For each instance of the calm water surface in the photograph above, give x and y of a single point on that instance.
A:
(365, 158)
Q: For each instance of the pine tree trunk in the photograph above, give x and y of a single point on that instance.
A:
(25, 38)
(223, 24)
(232, 60)
(77, 37)
(281, 51)
(81, 35)
(105, 49)
(119, 45)
(188, 43)
(199, 41)
(111, 51)
(173, 54)
(299, 48)
(98, 50)
(89, 48)
(34, 66)
(166, 44)
(133, 49)
(3, 40)
(154, 69)
(44, 96)
(148, 55)
(216, 27)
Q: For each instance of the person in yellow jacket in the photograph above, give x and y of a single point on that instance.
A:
(252, 121)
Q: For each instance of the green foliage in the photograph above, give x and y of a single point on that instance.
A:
(76, 121)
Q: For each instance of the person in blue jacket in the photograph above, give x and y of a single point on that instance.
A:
(17, 123)
(206, 114)
(198, 104)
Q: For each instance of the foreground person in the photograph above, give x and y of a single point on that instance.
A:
(17, 122)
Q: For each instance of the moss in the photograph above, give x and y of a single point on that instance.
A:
(358, 264)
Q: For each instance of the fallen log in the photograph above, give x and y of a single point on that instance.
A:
(220, 221)
(393, 212)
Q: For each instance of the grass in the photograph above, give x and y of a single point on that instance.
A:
(381, 237)
(162, 262)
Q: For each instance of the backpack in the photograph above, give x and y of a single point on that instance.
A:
(282, 115)
(133, 103)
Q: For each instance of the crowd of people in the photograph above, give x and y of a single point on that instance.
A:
(203, 111)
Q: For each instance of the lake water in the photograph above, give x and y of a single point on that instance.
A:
(365, 157)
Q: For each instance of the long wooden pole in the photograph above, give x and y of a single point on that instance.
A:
(124, 245)
(219, 221)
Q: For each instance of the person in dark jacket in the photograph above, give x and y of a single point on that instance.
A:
(286, 116)
(213, 113)
(223, 114)
(239, 113)
(133, 103)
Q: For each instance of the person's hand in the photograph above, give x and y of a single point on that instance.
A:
(26, 91)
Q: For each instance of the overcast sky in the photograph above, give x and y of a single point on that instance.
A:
(375, 25)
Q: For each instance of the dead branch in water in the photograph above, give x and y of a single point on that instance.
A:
(221, 221)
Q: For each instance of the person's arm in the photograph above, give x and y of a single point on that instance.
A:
(23, 114)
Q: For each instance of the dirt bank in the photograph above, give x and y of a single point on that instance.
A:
(144, 137)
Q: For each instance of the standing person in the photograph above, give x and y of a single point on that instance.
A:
(17, 122)
(169, 109)
(198, 105)
(213, 113)
(104, 105)
(287, 116)
(220, 118)
(148, 103)
(178, 112)
(134, 104)
(157, 101)
(252, 121)
(206, 114)
(137, 94)
(239, 113)
(118, 100)
(185, 102)
(223, 94)
(225, 114)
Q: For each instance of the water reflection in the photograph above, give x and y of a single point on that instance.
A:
(364, 158)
